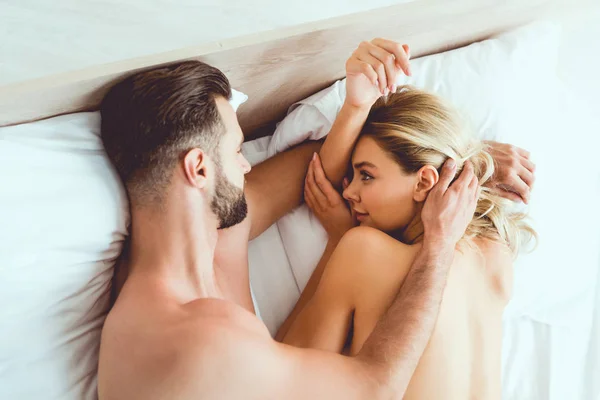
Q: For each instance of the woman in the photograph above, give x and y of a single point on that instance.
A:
(407, 137)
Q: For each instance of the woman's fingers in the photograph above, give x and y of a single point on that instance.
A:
(378, 67)
(406, 50)
(397, 50)
(323, 183)
(388, 60)
(320, 199)
(357, 67)
(309, 198)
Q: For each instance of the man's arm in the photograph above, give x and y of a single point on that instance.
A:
(274, 187)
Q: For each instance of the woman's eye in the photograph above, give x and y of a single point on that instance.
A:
(364, 176)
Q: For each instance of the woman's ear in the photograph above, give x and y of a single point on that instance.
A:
(427, 177)
(195, 168)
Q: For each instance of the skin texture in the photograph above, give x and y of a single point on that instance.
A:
(357, 287)
(181, 326)
(382, 196)
(359, 275)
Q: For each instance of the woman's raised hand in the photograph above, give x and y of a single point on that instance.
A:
(325, 202)
(372, 69)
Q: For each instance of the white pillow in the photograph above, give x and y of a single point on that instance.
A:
(64, 217)
(64, 214)
(498, 85)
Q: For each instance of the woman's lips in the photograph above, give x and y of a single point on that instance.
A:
(360, 216)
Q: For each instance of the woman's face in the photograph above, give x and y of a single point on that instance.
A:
(381, 195)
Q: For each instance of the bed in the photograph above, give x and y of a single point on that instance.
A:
(54, 275)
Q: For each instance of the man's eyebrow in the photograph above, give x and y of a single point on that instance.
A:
(361, 164)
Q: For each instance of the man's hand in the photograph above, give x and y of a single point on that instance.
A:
(325, 202)
(372, 69)
(515, 173)
(449, 209)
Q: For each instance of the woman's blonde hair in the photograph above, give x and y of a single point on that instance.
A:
(418, 128)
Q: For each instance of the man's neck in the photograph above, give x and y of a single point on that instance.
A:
(175, 244)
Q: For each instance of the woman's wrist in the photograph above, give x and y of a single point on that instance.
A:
(356, 110)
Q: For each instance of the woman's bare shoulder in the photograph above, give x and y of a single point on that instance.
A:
(370, 241)
(372, 253)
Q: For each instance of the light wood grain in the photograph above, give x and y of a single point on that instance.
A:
(280, 67)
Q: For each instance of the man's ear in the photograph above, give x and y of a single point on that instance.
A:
(427, 177)
(195, 168)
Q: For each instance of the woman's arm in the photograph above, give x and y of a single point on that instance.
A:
(329, 207)
(370, 73)
(324, 321)
(337, 149)
(309, 290)
(366, 267)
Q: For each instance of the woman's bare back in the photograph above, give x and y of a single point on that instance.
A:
(462, 359)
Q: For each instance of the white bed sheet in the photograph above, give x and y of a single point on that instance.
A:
(271, 276)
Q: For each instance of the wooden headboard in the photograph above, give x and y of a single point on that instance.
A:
(277, 68)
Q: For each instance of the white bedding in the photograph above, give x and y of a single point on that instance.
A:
(552, 352)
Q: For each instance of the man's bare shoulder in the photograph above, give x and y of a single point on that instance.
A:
(213, 323)
(187, 351)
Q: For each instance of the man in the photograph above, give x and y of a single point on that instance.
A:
(182, 326)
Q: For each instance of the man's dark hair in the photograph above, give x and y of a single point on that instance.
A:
(152, 118)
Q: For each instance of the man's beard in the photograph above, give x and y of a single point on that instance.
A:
(228, 202)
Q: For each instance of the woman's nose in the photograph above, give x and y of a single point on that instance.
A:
(350, 192)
